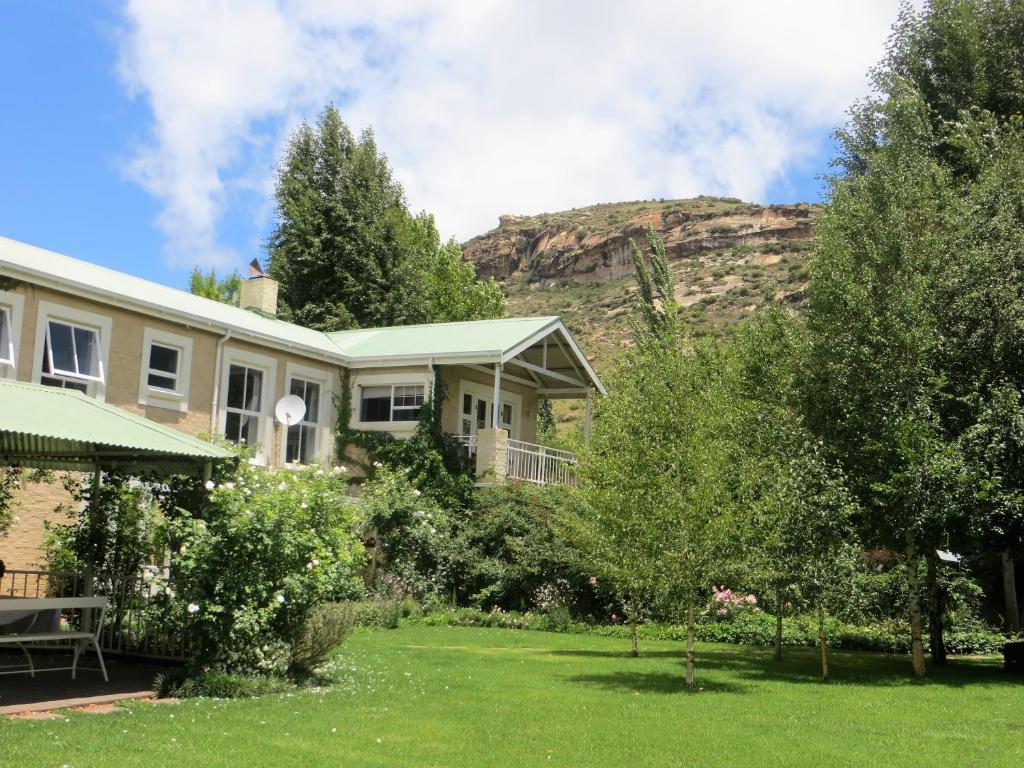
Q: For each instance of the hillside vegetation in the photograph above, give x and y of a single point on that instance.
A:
(729, 257)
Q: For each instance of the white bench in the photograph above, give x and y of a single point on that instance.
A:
(33, 606)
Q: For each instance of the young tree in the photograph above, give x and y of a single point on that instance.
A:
(803, 529)
(207, 285)
(654, 475)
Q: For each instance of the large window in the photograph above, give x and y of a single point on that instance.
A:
(244, 404)
(6, 337)
(301, 447)
(12, 306)
(392, 402)
(71, 356)
(72, 347)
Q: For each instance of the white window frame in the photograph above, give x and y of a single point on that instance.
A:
(102, 324)
(268, 365)
(396, 428)
(486, 393)
(325, 418)
(13, 304)
(158, 397)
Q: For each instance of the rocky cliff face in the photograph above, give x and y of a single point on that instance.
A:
(591, 245)
(727, 257)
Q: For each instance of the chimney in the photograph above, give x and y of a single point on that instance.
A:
(259, 293)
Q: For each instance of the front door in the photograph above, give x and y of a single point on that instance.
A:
(477, 410)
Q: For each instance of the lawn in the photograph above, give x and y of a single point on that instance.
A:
(427, 696)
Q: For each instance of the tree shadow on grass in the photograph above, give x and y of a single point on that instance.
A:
(799, 666)
(654, 682)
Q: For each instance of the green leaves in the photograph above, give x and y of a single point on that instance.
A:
(346, 249)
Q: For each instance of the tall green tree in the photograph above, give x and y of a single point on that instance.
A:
(654, 476)
(963, 60)
(209, 286)
(875, 384)
(347, 251)
(793, 506)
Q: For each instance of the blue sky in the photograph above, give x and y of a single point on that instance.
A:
(142, 136)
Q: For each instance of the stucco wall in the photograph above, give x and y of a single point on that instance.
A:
(452, 407)
(35, 504)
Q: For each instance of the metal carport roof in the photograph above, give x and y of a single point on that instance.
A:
(52, 428)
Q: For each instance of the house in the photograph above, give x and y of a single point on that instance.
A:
(202, 366)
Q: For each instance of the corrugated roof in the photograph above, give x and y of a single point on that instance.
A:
(64, 429)
(66, 273)
(487, 339)
(483, 337)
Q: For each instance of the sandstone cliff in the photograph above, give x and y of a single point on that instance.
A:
(728, 258)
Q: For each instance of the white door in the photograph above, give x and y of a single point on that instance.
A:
(477, 409)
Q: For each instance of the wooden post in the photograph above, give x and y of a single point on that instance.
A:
(588, 414)
(89, 572)
(496, 405)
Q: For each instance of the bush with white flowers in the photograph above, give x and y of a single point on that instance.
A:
(268, 548)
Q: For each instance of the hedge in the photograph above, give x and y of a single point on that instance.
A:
(753, 628)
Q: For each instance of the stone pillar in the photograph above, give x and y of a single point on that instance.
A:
(492, 454)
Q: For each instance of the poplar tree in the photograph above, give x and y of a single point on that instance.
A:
(654, 476)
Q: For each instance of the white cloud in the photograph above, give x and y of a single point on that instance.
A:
(491, 107)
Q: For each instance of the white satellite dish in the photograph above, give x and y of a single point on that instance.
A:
(290, 409)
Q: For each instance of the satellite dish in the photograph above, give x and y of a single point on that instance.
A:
(290, 409)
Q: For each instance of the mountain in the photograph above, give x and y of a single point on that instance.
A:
(728, 258)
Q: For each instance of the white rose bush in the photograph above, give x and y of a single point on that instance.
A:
(267, 549)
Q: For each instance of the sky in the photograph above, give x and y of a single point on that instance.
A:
(143, 135)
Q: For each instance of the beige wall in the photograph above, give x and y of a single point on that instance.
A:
(35, 504)
(450, 417)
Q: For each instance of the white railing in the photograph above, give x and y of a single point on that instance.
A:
(540, 464)
(469, 442)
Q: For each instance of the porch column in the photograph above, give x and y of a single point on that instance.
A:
(496, 407)
(588, 412)
(89, 569)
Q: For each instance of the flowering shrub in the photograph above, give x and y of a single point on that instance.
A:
(409, 534)
(725, 603)
(269, 547)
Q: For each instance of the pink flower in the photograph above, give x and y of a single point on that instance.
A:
(593, 581)
(614, 617)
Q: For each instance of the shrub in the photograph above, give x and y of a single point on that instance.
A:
(327, 627)
(272, 546)
(504, 552)
(411, 536)
(385, 613)
(747, 628)
(181, 684)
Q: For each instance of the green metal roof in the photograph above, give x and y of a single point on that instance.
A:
(476, 337)
(64, 273)
(54, 428)
(484, 340)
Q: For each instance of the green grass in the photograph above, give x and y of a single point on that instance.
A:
(433, 696)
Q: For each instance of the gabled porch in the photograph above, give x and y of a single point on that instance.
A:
(546, 364)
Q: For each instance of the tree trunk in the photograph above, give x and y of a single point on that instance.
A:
(778, 624)
(916, 644)
(634, 651)
(689, 645)
(1010, 593)
(936, 610)
(822, 645)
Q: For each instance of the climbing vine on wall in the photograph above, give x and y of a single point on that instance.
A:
(436, 463)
